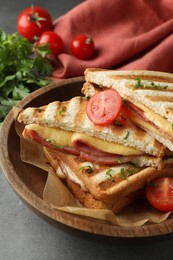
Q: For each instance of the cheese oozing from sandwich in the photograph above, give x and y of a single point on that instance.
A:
(162, 123)
(70, 175)
(59, 137)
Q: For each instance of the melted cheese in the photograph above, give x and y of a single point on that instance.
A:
(158, 120)
(71, 175)
(60, 137)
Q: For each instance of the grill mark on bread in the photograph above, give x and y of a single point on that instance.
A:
(130, 74)
(160, 98)
(142, 77)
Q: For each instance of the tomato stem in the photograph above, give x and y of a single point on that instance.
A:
(34, 17)
(88, 40)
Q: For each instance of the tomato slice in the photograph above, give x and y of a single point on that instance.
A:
(160, 194)
(103, 107)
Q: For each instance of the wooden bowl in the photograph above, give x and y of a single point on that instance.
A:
(28, 181)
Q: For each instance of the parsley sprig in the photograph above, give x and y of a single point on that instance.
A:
(109, 174)
(21, 70)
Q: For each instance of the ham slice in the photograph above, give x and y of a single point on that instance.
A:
(82, 150)
(140, 113)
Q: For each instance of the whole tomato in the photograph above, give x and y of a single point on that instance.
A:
(54, 41)
(82, 47)
(33, 21)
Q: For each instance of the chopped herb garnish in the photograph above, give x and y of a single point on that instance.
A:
(87, 97)
(50, 140)
(138, 83)
(172, 126)
(87, 168)
(126, 173)
(122, 171)
(53, 142)
(156, 86)
(109, 174)
(126, 136)
(130, 172)
(125, 102)
(116, 123)
(133, 164)
(62, 110)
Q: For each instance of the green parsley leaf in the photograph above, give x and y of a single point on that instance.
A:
(53, 142)
(125, 102)
(87, 97)
(109, 174)
(130, 172)
(43, 50)
(138, 83)
(116, 123)
(62, 110)
(134, 164)
(126, 136)
(123, 175)
(156, 86)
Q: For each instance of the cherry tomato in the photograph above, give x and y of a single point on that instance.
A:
(53, 40)
(160, 194)
(82, 47)
(103, 107)
(33, 21)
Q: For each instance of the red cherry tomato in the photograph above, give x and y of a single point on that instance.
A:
(160, 194)
(103, 107)
(82, 47)
(33, 21)
(53, 40)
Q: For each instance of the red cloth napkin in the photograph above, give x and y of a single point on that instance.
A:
(128, 34)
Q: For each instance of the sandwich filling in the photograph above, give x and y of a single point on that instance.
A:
(146, 118)
(87, 148)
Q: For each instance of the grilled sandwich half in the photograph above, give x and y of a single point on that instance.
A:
(97, 186)
(149, 96)
(65, 126)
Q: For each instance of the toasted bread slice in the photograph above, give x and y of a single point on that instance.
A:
(62, 162)
(71, 116)
(152, 88)
(103, 182)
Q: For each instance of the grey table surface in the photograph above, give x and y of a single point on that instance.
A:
(25, 236)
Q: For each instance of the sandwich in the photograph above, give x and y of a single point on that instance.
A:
(77, 177)
(104, 165)
(66, 127)
(148, 95)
